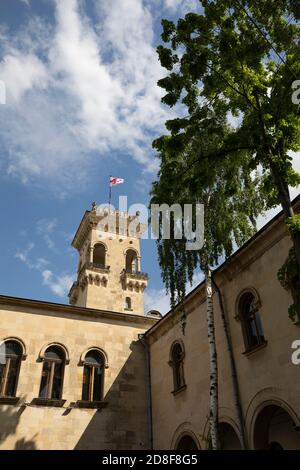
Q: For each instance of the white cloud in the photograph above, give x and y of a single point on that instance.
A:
(45, 228)
(59, 285)
(23, 255)
(158, 299)
(21, 73)
(182, 6)
(76, 88)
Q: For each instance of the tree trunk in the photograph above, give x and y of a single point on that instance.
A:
(235, 384)
(213, 414)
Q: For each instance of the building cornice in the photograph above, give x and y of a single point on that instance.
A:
(82, 231)
(36, 306)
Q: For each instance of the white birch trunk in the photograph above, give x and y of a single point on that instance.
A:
(213, 414)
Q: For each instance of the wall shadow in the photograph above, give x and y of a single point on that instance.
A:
(123, 424)
(9, 421)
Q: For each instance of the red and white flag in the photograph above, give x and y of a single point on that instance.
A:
(114, 181)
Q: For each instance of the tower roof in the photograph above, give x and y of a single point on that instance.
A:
(108, 221)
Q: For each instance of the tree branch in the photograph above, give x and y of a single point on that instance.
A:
(219, 154)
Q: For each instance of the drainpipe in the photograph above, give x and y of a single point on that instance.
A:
(145, 343)
(234, 377)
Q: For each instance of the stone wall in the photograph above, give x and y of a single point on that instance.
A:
(266, 377)
(122, 424)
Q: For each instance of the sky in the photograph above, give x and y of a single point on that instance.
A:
(82, 104)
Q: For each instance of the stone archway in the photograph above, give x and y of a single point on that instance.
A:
(185, 438)
(274, 429)
(229, 439)
(186, 442)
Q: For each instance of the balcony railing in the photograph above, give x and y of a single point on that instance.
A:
(134, 274)
(95, 266)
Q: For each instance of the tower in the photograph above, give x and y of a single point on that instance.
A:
(109, 273)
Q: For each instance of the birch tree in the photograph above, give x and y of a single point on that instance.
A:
(231, 196)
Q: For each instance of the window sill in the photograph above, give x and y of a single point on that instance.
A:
(9, 400)
(250, 351)
(91, 404)
(178, 390)
(48, 402)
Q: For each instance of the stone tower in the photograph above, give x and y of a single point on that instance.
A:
(109, 273)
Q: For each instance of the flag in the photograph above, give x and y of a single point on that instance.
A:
(114, 181)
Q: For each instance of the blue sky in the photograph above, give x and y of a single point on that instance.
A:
(82, 103)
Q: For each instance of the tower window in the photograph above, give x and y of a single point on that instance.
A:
(99, 255)
(131, 261)
(53, 373)
(251, 321)
(128, 303)
(11, 353)
(93, 376)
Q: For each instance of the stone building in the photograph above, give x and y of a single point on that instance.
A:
(100, 374)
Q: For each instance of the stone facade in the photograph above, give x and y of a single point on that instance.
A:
(137, 350)
(269, 383)
(121, 423)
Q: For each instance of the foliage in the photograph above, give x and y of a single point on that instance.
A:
(232, 60)
(293, 224)
(288, 276)
(231, 201)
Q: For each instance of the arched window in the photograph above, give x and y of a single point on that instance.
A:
(131, 262)
(176, 362)
(11, 354)
(186, 442)
(99, 255)
(93, 376)
(251, 321)
(53, 373)
(128, 304)
(229, 439)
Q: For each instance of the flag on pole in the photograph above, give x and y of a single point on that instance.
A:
(114, 181)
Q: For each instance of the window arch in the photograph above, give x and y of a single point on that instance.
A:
(229, 439)
(176, 362)
(11, 355)
(248, 312)
(99, 255)
(54, 360)
(128, 303)
(131, 263)
(186, 442)
(93, 376)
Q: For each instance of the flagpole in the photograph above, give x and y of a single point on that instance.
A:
(109, 197)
